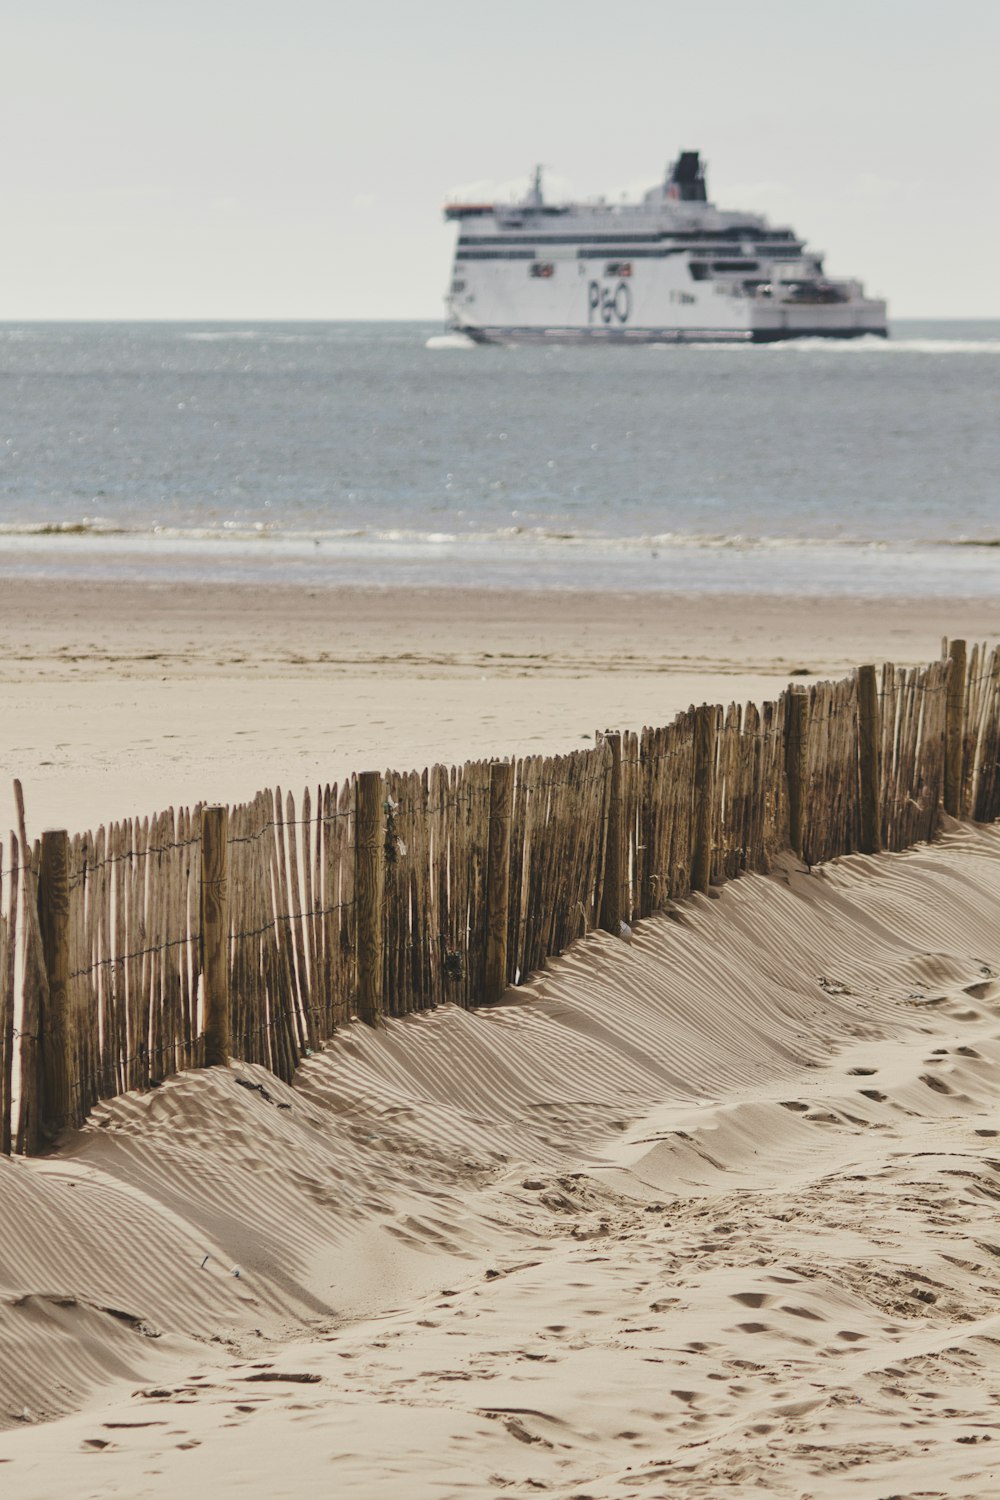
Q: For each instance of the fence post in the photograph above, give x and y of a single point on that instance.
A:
(704, 795)
(56, 1102)
(954, 730)
(498, 879)
(869, 761)
(215, 934)
(611, 890)
(796, 767)
(8, 949)
(369, 874)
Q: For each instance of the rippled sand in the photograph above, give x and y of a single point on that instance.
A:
(713, 1212)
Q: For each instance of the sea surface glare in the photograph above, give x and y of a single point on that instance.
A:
(384, 454)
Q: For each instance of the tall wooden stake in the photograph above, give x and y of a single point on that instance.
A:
(704, 795)
(215, 934)
(56, 1106)
(953, 732)
(796, 765)
(611, 891)
(369, 874)
(498, 879)
(7, 981)
(869, 761)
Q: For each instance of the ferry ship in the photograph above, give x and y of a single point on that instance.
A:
(672, 268)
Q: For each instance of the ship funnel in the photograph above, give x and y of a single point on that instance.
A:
(686, 179)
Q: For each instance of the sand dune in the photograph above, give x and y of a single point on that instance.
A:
(714, 1212)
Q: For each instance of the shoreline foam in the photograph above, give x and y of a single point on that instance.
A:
(516, 558)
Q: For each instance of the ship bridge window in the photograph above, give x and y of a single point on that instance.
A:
(734, 265)
(542, 269)
(698, 270)
(618, 268)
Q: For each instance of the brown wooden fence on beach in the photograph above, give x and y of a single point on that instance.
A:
(255, 932)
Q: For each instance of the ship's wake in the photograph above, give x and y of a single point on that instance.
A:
(450, 341)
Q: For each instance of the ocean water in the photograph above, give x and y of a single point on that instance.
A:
(386, 454)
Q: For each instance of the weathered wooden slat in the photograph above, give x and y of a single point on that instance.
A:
(369, 865)
(7, 980)
(485, 872)
(614, 840)
(215, 934)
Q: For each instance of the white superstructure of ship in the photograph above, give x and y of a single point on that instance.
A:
(672, 268)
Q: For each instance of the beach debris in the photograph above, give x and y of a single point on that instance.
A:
(624, 932)
(204, 1263)
(832, 986)
(297, 1376)
(258, 1088)
(154, 1422)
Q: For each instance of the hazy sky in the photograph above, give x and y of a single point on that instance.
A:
(256, 159)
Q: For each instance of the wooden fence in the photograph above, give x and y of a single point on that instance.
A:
(257, 931)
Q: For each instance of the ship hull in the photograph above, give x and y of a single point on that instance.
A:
(518, 336)
(497, 300)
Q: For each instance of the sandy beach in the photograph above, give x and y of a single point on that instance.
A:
(712, 1213)
(123, 699)
(708, 1213)
(500, 754)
